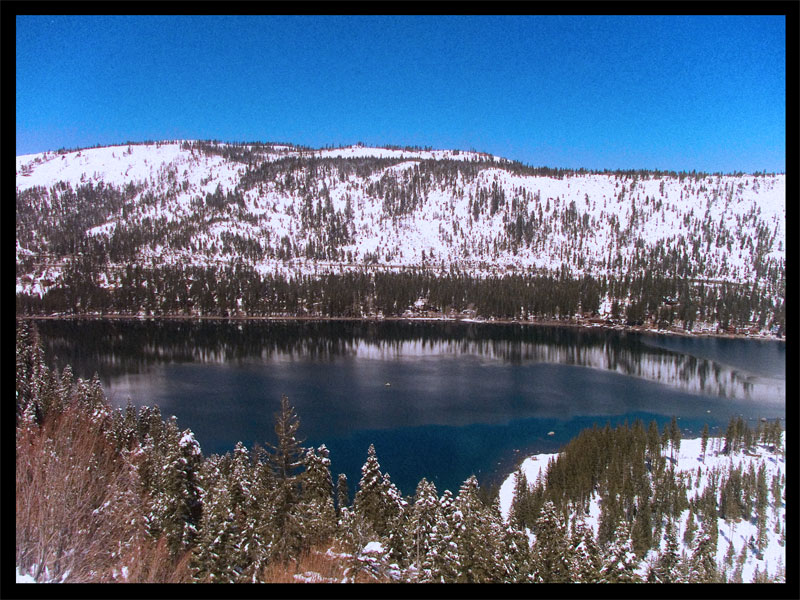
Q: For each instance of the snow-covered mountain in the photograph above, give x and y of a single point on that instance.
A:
(284, 208)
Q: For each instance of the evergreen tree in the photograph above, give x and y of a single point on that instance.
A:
(702, 565)
(642, 531)
(762, 503)
(356, 533)
(610, 515)
(425, 515)
(691, 528)
(396, 509)
(370, 501)
(443, 553)
(667, 566)
(130, 421)
(177, 500)
(257, 531)
(30, 371)
(730, 554)
(675, 437)
(285, 527)
(520, 514)
(704, 441)
(247, 503)
(587, 559)
(741, 558)
(317, 496)
(214, 556)
(619, 560)
(654, 447)
(551, 550)
(478, 538)
(517, 552)
(240, 480)
(342, 493)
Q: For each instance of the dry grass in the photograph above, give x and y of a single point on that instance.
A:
(79, 516)
(150, 562)
(321, 564)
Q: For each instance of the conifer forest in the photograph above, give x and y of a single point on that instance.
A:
(107, 495)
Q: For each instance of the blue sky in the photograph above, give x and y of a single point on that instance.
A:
(673, 92)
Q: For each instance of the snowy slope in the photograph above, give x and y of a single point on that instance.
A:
(689, 459)
(731, 228)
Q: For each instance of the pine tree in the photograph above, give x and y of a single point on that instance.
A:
(691, 528)
(517, 551)
(286, 456)
(551, 551)
(30, 372)
(704, 441)
(666, 569)
(177, 503)
(93, 398)
(370, 499)
(478, 537)
(610, 515)
(257, 531)
(740, 560)
(654, 446)
(424, 516)
(587, 559)
(665, 439)
(443, 555)
(619, 561)
(355, 532)
(214, 555)
(730, 554)
(520, 514)
(762, 502)
(702, 565)
(675, 437)
(240, 480)
(285, 527)
(246, 505)
(342, 493)
(317, 496)
(395, 515)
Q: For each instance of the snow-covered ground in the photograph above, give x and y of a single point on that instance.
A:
(26, 576)
(587, 221)
(689, 459)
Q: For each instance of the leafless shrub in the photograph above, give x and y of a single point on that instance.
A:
(79, 514)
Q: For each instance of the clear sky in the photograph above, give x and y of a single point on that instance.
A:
(672, 92)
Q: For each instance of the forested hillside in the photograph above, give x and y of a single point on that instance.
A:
(207, 228)
(108, 495)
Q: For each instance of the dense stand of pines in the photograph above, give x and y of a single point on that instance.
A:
(240, 290)
(109, 494)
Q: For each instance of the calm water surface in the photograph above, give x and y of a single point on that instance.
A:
(461, 398)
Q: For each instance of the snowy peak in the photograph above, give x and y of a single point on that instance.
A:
(121, 164)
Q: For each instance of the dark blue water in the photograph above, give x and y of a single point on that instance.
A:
(462, 399)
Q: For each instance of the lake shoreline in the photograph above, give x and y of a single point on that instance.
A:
(418, 319)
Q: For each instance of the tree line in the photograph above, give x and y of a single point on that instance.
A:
(240, 289)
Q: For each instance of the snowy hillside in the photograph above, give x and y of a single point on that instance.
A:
(86, 218)
(494, 214)
(701, 470)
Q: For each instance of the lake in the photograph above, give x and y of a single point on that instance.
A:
(438, 400)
